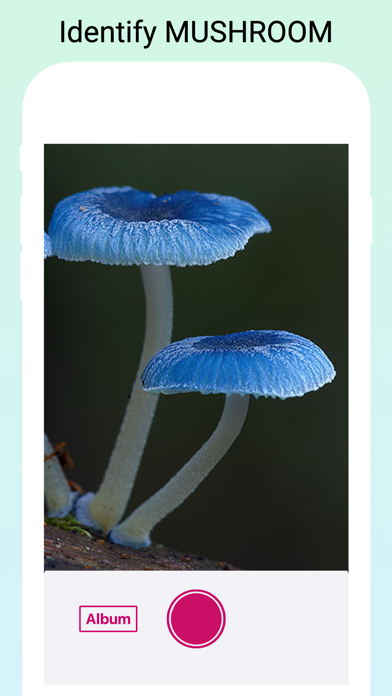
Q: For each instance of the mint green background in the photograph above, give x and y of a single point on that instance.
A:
(361, 42)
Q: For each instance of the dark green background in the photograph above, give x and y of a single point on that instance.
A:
(279, 498)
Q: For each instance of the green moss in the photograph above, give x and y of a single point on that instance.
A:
(69, 522)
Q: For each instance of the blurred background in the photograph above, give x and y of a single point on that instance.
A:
(279, 498)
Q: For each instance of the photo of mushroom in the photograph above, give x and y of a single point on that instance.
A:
(241, 291)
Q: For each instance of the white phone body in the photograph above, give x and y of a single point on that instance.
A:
(313, 103)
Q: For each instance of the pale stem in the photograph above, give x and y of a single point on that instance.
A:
(57, 490)
(135, 530)
(111, 500)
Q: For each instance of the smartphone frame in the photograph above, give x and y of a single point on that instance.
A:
(198, 103)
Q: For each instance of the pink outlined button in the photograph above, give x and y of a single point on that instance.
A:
(196, 618)
(107, 618)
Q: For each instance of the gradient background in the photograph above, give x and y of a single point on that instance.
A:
(361, 43)
(278, 500)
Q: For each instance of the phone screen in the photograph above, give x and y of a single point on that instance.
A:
(198, 345)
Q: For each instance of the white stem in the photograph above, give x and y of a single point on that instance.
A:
(109, 504)
(57, 490)
(135, 530)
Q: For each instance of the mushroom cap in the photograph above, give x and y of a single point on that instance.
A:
(48, 251)
(261, 363)
(124, 226)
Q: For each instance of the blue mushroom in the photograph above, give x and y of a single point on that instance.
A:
(124, 226)
(48, 250)
(259, 363)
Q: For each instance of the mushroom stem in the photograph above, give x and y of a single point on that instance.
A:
(108, 505)
(58, 497)
(135, 530)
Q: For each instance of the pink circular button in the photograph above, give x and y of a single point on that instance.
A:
(196, 618)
